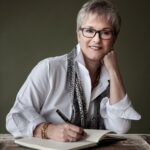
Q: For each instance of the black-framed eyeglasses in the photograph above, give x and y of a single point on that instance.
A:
(105, 34)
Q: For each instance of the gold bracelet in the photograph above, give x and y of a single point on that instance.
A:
(43, 131)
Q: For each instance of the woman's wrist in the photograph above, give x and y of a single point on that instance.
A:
(41, 130)
(44, 131)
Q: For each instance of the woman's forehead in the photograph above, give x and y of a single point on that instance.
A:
(96, 19)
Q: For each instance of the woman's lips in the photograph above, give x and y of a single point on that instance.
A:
(96, 48)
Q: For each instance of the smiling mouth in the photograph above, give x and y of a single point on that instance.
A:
(96, 48)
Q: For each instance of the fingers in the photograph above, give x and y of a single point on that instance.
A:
(75, 128)
(73, 132)
(111, 52)
(111, 62)
(65, 132)
(110, 55)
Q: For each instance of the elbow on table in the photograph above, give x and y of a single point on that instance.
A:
(118, 125)
(124, 127)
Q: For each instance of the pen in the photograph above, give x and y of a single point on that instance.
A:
(63, 116)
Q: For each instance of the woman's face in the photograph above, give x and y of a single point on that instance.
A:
(94, 49)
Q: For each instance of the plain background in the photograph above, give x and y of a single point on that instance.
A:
(31, 30)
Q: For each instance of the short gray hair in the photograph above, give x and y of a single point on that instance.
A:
(102, 8)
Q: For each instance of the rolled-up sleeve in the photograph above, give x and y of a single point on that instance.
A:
(25, 115)
(23, 122)
(117, 117)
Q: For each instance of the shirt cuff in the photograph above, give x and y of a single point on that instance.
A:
(121, 109)
(26, 121)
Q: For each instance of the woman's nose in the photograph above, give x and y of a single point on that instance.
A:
(97, 37)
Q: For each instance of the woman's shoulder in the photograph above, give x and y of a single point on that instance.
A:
(51, 63)
(54, 60)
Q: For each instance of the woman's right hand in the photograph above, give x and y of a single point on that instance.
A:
(65, 132)
(61, 132)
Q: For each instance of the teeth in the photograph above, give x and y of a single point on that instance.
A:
(95, 47)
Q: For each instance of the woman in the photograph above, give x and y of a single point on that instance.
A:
(82, 89)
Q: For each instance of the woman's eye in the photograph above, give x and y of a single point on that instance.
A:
(90, 31)
(107, 32)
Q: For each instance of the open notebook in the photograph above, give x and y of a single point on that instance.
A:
(92, 138)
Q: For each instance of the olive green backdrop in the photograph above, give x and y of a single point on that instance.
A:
(31, 30)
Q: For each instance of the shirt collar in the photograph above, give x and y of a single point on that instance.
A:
(80, 59)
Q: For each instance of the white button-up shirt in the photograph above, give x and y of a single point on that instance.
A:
(45, 91)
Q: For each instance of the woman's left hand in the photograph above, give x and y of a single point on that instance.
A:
(110, 62)
(117, 89)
